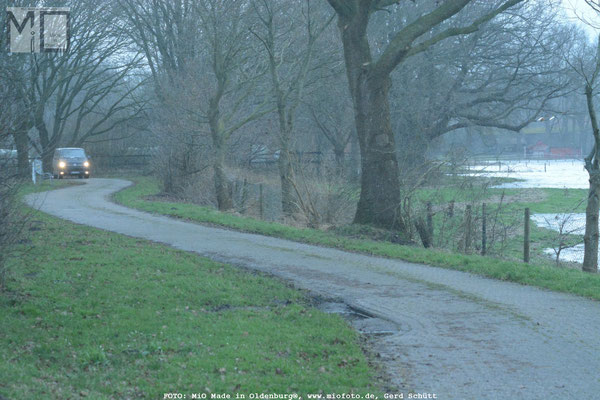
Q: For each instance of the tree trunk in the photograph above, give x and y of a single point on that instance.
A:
(47, 145)
(592, 165)
(354, 160)
(22, 143)
(380, 199)
(590, 239)
(340, 160)
(285, 162)
(288, 199)
(369, 85)
(47, 160)
(223, 186)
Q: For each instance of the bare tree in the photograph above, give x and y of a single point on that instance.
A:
(501, 77)
(86, 91)
(12, 117)
(370, 81)
(592, 162)
(566, 227)
(15, 118)
(289, 37)
(594, 4)
(592, 165)
(166, 32)
(333, 117)
(202, 50)
(588, 69)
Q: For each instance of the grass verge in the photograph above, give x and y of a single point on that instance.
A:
(543, 276)
(99, 315)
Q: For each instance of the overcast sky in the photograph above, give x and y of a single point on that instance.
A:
(577, 10)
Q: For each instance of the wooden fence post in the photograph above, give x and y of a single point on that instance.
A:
(526, 238)
(430, 221)
(468, 228)
(244, 198)
(261, 202)
(483, 230)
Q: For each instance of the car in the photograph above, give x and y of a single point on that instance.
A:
(70, 161)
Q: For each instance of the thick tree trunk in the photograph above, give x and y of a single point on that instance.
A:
(354, 160)
(379, 202)
(590, 239)
(380, 199)
(340, 160)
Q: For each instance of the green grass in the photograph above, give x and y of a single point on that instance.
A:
(562, 201)
(46, 185)
(98, 315)
(459, 192)
(544, 276)
(551, 201)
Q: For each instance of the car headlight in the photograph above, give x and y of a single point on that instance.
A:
(86, 164)
(62, 164)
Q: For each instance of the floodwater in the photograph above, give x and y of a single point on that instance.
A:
(555, 174)
(573, 224)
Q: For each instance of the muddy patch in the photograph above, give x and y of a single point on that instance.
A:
(364, 323)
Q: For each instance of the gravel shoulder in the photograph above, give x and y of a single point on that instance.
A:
(458, 335)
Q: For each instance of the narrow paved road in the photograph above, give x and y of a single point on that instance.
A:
(460, 336)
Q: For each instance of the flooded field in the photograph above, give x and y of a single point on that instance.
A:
(554, 174)
(573, 224)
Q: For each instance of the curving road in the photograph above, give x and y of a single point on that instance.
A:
(459, 336)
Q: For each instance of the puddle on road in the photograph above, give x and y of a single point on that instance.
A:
(331, 307)
(363, 323)
(375, 326)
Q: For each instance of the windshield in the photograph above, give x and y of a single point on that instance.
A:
(72, 153)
